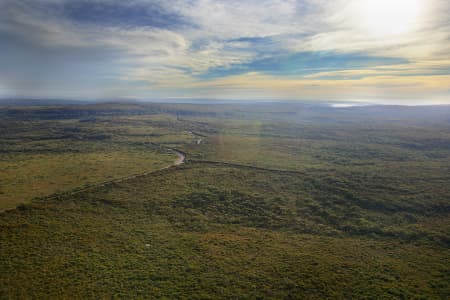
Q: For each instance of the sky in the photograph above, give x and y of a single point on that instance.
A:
(381, 51)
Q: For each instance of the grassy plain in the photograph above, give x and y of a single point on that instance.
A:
(40, 157)
(272, 203)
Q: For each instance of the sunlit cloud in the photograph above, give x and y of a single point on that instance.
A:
(347, 50)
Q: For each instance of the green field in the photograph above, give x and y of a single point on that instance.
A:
(273, 202)
(44, 156)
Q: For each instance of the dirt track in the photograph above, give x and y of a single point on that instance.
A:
(180, 160)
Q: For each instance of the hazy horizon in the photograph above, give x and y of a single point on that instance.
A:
(189, 100)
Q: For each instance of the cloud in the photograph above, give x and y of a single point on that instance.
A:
(304, 63)
(163, 48)
(393, 88)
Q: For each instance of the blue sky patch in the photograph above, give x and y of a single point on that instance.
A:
(122, 13)
(305, 63)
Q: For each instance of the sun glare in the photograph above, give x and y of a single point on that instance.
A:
(390, 17)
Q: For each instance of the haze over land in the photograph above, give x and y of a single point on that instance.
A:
(360, 50)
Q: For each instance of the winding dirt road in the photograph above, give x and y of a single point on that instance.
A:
(180, 160)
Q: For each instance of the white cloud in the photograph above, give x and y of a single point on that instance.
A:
(163, 59)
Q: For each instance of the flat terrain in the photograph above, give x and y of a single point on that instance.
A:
(273, 201)
(39, 157)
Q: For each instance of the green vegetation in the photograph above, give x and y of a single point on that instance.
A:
(39, 157)
(266, 206)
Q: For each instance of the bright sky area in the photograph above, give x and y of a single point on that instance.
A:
(384, 51)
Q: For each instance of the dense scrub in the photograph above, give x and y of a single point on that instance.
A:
(203, 232)
(265, 207)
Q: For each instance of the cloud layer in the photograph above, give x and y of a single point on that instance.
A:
(280, 49)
